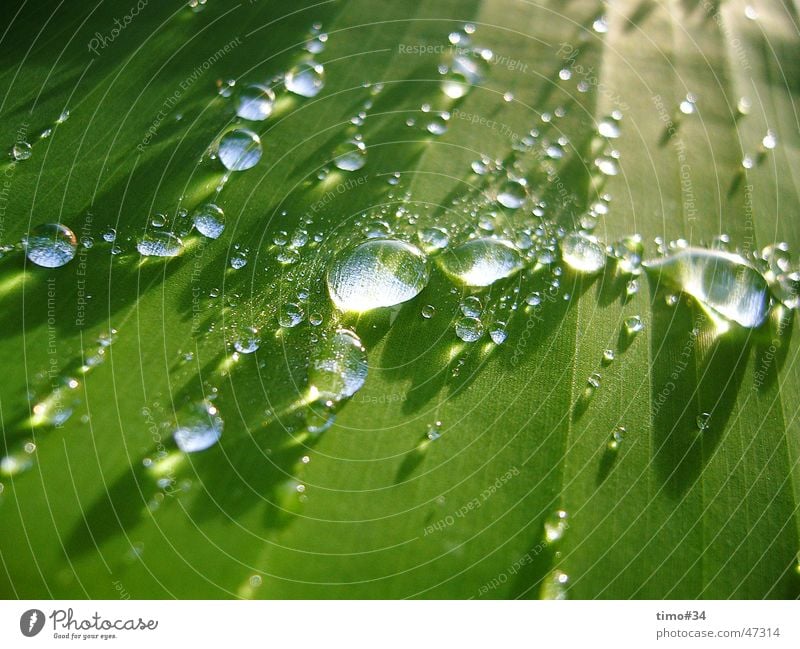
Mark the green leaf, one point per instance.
(388, 502)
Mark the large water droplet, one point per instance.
(255, 102)
(159, 244)
(305, 79)
(481, 262)
(209, 220)
(339, 368)
(377, 273)
(199, 427)
(721, 281)
(239, 149)
(50, 245)
(582, 253)
(512, 194)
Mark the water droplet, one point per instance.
(238, 260)
(350, 155)
(608, 356)
(290, 315)
(159, 244)
(469, 329)
(110, 235)
(721, 281)
(339, 368)
(628, 253)
(632, 288)
(209, 220)
(239, 149)
(247, 342)
(225, 87)
(199, 427)
(498, 332)
(306, 79)
(633, 325)
(617, 435)
(554, 586)
(471, 306)
(748, 162)
(508, 96)
(467, 68)
(320, 416)
(703, 420)
(434, 431)
(428, 311)
(582, 253)
(21, 151)
(608, 129)
(534, 299)
(50, 245)
(481, 262)
(437, 125)
(687, 106)
(433, 239)
(512, 194)
(600, 25)
(743, 105)
(255, 102)
(14, 464)
(555, 525)
(377, 273)
(770, 141)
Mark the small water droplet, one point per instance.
(632, 288)
(428, 311)
(434, 431)
(21, 151)
(609, 129)
(770, 141)
(50, 245)
(469, 329)
(339, 368)
(555, 525)
(159, 244)
(247, 342)
(433, 239)
(617, 435)
(290, 315)
(255, 102)
(239, 149)
(554, 586)
(633, 325)
(350, 155)
(498, 332)
(306, 79)
(471, 306)
(703, 421)
(209, 220)
(512, 194)
(199, 426)
(583, 253)
(238, 260)
(608, 356)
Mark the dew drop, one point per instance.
(554, 586)
(512, 194)
(469, 329)
(290, 315)
(703, 421)
(238, 260)
(428, 311)
(21, 151)
(498, 332)
(377, 273)
(608, 356)
(255, 102)
(50, 245)
(555, 525)
(481, 262)
(433, 239)
(159, 244)
(721, 281)
(199, 427)
(615, 440)
(306, 79)
(471, 306)
(239, 149)
(339, 368)
(633, 325)
(209, 220)
(628, 253)
(582, 253)
(350, 155)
